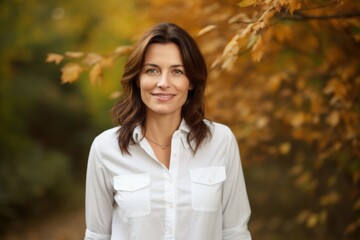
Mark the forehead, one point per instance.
(163, 53)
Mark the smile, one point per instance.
(162, 96)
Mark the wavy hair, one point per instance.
(130, 111)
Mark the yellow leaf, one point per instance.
(91, 59)
(246, 3)
(216, 63)
(258, 26)
(261, 122)
(96, 73)
(115, 95)
(70, 72)
(333, 118)
(239, 18)
(298, 119)
(257, 50)
(330, 199)
(330, 86)
(312, 221)
(232, 48)
(285, 148)
(54, 57)
(206, 29)
(229, 62)
(107, 62)
(74, 54)
(123, 50)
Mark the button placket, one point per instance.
(169, 205)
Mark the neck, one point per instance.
(161, 128)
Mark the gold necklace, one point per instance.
(163, 147)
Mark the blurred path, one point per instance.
(67, 226)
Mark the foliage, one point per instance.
(285, 74)
(45, 129)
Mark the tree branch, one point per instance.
(297, 16)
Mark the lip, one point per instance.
(163, 97)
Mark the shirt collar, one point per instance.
(137, 133)
(183, 131)
(184, 126)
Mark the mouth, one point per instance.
(163, 96)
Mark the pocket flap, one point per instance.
(131, 182)
(208, 175)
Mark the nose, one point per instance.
(164, 80)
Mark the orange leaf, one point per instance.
(54, 57)
(274, 82)
(74, 54)
(333, 118)
(353, 226)
(298, 119)
(206, 29)
(294, 5)
(70, 72)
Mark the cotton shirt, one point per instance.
(201, 196)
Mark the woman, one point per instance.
(165, 172)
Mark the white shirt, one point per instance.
(201, 196)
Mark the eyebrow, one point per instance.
(154, 65)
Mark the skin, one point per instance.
(164, 89)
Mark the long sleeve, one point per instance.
(99, 198)
(236, 207)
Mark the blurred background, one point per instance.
(284, 75)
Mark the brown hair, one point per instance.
(131, 111)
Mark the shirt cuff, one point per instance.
(89, 235)
(239, 233)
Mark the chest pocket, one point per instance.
(133, 194)
(206, 188)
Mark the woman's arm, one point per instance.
(236, 207)
(99, 198)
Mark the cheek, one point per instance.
(144, 84)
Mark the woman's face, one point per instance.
(163, 83)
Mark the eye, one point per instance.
(178, 72)
(151, 71)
